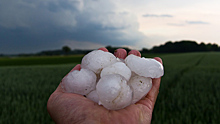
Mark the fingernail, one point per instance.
(158, 59)
(135, 52)
(103, 49)
(120, 53)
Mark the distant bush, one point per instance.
(183, 46)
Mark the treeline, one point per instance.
(67, 51)
(183, 46)
(175, 47)
(168, 47)
(64, 51)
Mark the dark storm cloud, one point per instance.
(30, 26)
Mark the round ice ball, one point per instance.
(114, 92)
(93, 96)
(144, 66)
(97, 60)
(140, 86)
(80, 82)
(117, 68)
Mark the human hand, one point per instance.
(69, 108)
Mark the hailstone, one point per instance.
(97, 60)
(117, 68)
(112, 82)
(93, 96)
(140, 86)
(79, 82)
(144, 66)
(114, 92)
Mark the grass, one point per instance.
(25, 91)
(189, 90)
(42, 60)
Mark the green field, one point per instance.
(40, 60)
(189, 93)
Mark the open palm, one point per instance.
(69, 108)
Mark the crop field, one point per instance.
(189, 93)
(40, 60)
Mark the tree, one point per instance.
(145, 50)
(66, 49)
(184, 46)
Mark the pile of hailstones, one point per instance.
(112, 82)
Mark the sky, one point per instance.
(29, 26)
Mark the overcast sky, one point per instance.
(32, 26)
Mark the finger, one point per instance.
(135, 52)
(103, 49)
(153, 93)
(157, 83)
(151, 97)
(120, 53)
(59, 88)
(158, 59)
(77, 67)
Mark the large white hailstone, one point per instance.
(80, 82)
(140, 86)
(144, 66)
(97, 60)
(114, 92)
(93, 96)
(117, 68)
